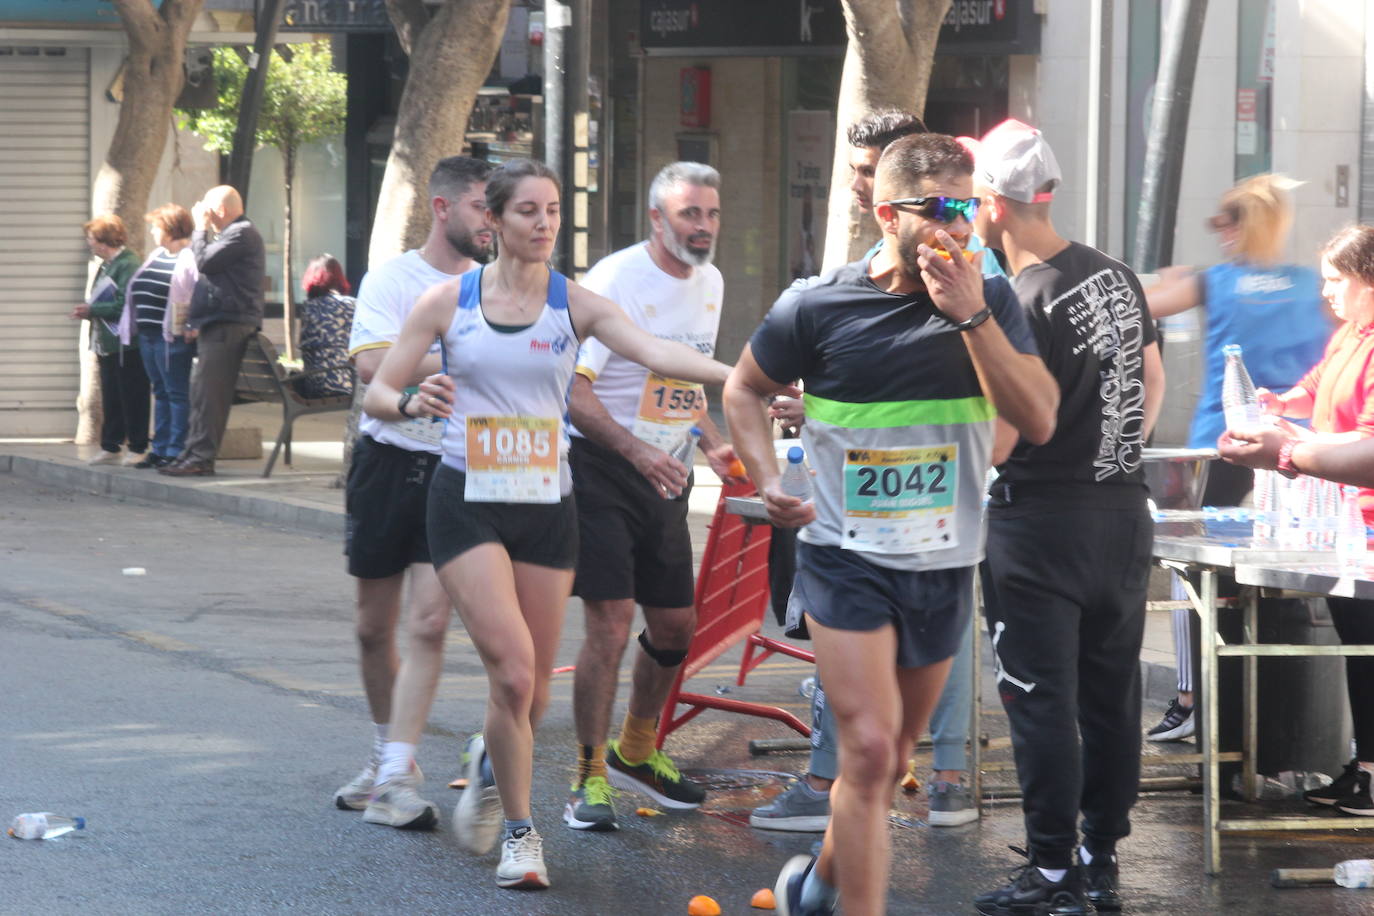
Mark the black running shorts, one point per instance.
(929, 608)
(635, 543)
(544, 534)
(384, 528)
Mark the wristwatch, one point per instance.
(401, 404)
(1285, 464)
(974, 320)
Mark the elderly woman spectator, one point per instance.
(1338, 396)
(123, 383)
(326, 319)
(159, 293)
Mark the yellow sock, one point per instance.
(591, 761)
(637, 739)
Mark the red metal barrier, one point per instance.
(731, 599)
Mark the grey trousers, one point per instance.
(220, 349)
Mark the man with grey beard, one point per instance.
(632, 495)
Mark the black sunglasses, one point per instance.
(942, 209)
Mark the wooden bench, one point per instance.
(262, 378)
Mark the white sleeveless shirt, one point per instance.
(511, 402)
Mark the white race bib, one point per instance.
(901, 500)
(512, 460)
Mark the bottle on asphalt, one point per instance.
(44, 825)
(1355, 873)
(1239, 402)
(796, 479)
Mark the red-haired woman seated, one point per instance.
(326, 319)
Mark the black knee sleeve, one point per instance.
(668, 658)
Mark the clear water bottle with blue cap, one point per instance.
(1239, 402)
(796, 479)
(44, 825)
(685, 452)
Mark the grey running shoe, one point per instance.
(354, 795)
(794, 810)
(522, 861)
(590, 808)
(477, 819)
(951, 805)
(656, 777)
(398, 804)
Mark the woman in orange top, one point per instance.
(1338, 394)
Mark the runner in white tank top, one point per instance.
(504, 397)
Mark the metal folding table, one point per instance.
(1209, 546)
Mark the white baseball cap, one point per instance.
(1015, 161)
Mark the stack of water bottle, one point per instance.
(1304, 513)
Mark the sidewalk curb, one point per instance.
(276, 510)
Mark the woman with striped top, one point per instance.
(158, 294)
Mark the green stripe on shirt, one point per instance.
(886, 414)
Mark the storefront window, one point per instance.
(1254, 87)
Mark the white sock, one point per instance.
(396, 760)
(379, 730)
(1054, 874)
(1084, 856)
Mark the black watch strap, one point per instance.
(404, 400)
(974, 320)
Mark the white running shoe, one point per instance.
(522, 861)
(103, 457)
(354, 795)
(477, 819)
(396, 803)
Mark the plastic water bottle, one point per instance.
(1265, 490)
(1238, 400)
(44, 825)
(685, 452)
(1351, 540)
(1355, 873)
(796, 479)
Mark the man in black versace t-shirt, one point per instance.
(1069, 538)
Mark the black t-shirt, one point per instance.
(1090, 320)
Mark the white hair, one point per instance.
(675, 173)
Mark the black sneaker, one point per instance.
(1338, 790)
(1101, 882)
(1358, 801)
(1178, 723)
(1030, 893)
(656, 777)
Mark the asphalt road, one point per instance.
(201, 715)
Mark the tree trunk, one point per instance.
(887, 65)
(288, 308)
(450, 57)
(153, 77)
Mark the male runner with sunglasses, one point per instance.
(907, 359)
(1069, 537)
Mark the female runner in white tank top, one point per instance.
(502, 525)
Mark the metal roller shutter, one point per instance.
(44, 199)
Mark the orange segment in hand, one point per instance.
(737, 469)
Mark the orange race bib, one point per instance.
(512, 460)
(667, 406)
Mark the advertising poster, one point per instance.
(810, 152)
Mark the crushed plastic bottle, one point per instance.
(44, 825)
(1354, 873)
(796, 479)
(685, 452)
(1288, 784)
(807, 688)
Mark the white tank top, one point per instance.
(525, 373)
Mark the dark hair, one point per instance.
(912, 158)
(1351, 251)
(172, 219)
(880, 128)
(107, 229)
(501, 185)
(455, 175)
(324, 275)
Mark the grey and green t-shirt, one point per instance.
(897, 428)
